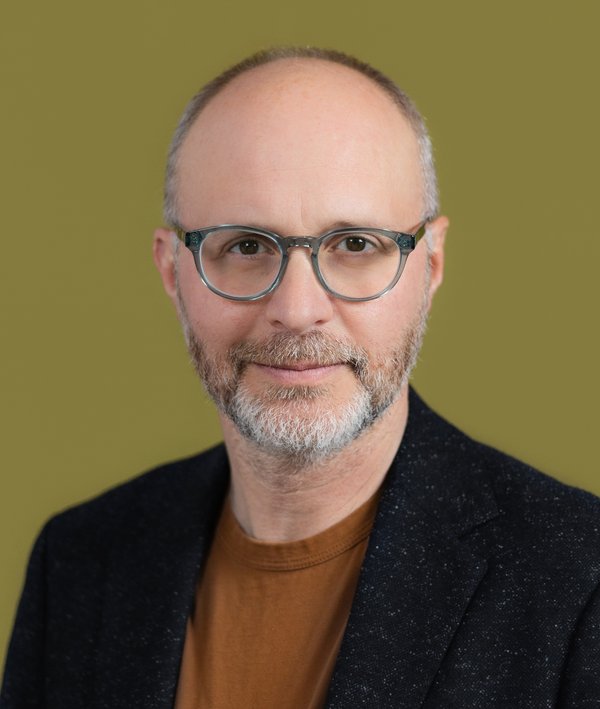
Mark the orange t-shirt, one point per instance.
(269, 618)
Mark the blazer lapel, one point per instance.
(418, 576)
(150, 590)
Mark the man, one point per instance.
(345, 547)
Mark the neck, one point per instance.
(279, 500)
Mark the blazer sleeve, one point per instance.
(580, 688)
(23, 685)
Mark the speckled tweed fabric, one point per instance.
(479, 588)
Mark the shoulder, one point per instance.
(554, 521)
(508, 505)
(157, 501)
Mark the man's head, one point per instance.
(297, 146)
(394, 92)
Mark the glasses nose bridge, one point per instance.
(306, 242)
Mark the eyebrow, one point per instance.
(345, 224)
(338, 224)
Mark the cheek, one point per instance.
(216, 321)
(216, 324)
(379, 326)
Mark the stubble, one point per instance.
(304, 424)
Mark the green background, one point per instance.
(95, 381)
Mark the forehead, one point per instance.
(305, 132)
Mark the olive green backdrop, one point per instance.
(95, 381)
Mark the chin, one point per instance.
(300, 422)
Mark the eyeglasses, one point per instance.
(246, 263)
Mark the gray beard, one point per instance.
(303, 424)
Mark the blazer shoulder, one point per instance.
(526, 510)
(158, 500)
(518, 485)
(544, 517)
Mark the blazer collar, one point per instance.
(419, 572)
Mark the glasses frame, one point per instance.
(405, 241)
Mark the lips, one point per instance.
(299, 366)
(297, 373)
(315, 352)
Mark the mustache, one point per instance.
(283, 348)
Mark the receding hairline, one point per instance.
(301, 55)
(283, 72)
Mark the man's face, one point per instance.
(298, 148)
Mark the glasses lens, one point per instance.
(359, 264)
(240, 262)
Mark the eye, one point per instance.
(240, 243)
(354, 243)
(248, 247)
(360, 243)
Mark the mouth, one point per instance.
(298, 372)
(298, 366)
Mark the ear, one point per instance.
(437, 230)
(163, 252)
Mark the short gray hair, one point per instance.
(210, 90)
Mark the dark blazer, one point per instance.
(479, 587)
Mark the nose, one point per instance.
(299, 303)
